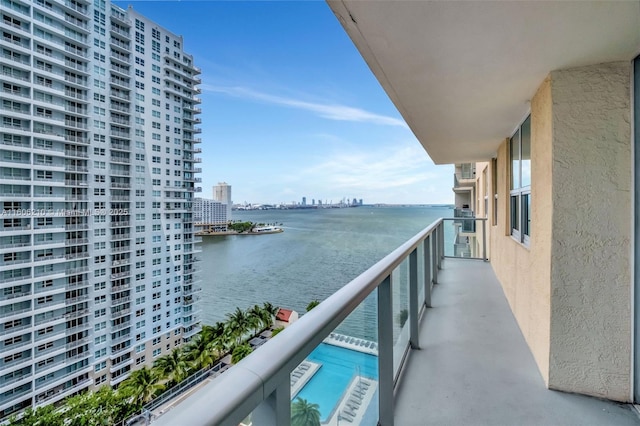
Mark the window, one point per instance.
(520, 182)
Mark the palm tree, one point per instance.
(143, 384)
(207, 332)
(218, 330)
(312, 304)
(172, 366)
(221, 339)
(304, 413)
(220, 346)
(271, 312)
(238, 324)
(256, 318)
(199, 352)
(240, 352)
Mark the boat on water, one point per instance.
(266, 229)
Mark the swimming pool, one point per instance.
(338, 367)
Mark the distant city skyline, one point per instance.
(290, 108)
(305, 201)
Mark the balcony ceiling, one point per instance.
(462, 73)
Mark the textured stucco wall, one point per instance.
(570, 289)
(525, 272)
(591, 248)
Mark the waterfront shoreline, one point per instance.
(225, 233)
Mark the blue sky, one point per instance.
(290, 108)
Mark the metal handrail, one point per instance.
(261, 381)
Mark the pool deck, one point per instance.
(358, 395)
(301, 375)
(354, 402)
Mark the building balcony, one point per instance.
(121, 326)
(120, 313)
(473, 365)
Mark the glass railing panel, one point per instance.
(464, 237)
(327, 375)
(338, 380)
(420, 259)
(400, 304)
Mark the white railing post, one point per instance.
(484, 240)
(414, 307)
(434, 254)
(427, 271)
(440, 244)
(385, 353)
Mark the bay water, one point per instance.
(319, 251)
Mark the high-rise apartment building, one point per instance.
(222, 193)
(98, 110)
(210, 212)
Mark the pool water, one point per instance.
(338, 367)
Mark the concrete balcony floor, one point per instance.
(474, 367)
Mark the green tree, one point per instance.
(240, 352)
(42, 416)
(104, 407)
(173, 366)
(221, 341)
(143, 385)
(312, 304)
(304, 413)
(256, 319)
(199, 352)
(238, 325)
(270, 312)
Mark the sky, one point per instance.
(290, 109)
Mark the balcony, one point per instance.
(474, 366)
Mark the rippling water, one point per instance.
(319, 252)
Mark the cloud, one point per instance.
(389, 167)
(329, 111)
(397, 172)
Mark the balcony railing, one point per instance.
(260, 385)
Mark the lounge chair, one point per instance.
(353, 407)
(346, 417)
(354, 401)
(364, 382)
(349, 412)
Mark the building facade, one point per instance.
(97, 177)
(222, 193)
(210, 212)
